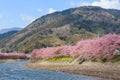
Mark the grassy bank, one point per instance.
(104, 70)
(54, 59)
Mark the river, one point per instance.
(16, 71)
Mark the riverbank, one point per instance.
(10, 60)
(7, 60)
(16, 71)
(103, 70)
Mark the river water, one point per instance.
(15, 71)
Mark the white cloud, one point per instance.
(51, 10)
(25, 17)
(39, 10)
(111, 4)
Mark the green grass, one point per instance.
(115, 60)
(70, 59)
(99, 60)
(103, 60)
(58, 59)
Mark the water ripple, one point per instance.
(15, 71)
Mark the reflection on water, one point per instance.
(15, 71)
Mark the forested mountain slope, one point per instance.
(65, 27)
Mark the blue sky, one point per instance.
(20, 13)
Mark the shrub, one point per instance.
(12, 56)
(60, 58)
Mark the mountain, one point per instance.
(2, 31)
(65, 27)
(7, 34)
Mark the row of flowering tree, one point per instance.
(12, 56)
(107, 47)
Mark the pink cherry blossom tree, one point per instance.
(103, 47)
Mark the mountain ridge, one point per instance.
(2, 31)
(64, 27)
(7, 34)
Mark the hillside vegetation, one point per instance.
(5, 35)
(101, 49)
(64, 28)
